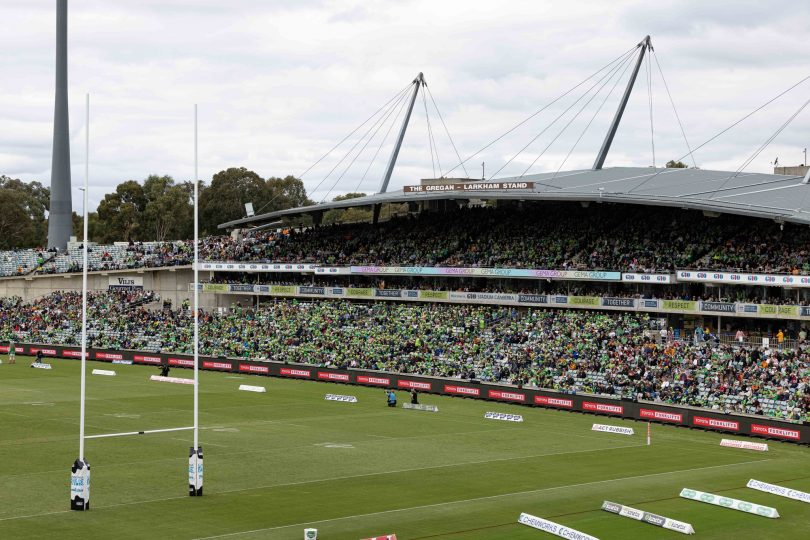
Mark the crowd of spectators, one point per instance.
(617, 354)
(563, 236)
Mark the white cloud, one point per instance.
(278, 83)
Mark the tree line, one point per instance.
(155, 209)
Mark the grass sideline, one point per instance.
(279, 462)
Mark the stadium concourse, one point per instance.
(565, 236)
(613, 354)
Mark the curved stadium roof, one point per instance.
(770, 196)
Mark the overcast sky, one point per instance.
(278, 83)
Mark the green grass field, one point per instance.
(276, 463)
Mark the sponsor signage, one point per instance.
(108, 356)
(415, 385)
(770, 280)
(388, 293)
(45, 352)
(123, 362)
(359, 292)
(331, 270)
(220, 266)
(72, 354)
(716, 423)
(40, 365)
(507, 396)
(215, 287)
(217, 365)
(378, 381)
(746, 445)
(433, 295)
(779, 490)
(175, 380)
(106, 372)
(483, 297)
(587, 275)
(547, 401)
(186, 362)
(125, 282)
(620, 430)
(462, 390)
(418, 407)
(252, 368)
(503, 416)
(662, 416)
(678, 305)
(772, 431)
(470, 186)
(533, 299)
(294, 372)
(312, 290)
(283, 289)
(143, 359)
(720, 307)
(619, 302)
(647, 517)
(605, 408)
(330, 376)
(553, 528)
(646, 278)
(728, 502)
(241, 287)
(338, 397)
(584, 300)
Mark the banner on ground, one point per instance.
(621, 430)
(646, 517)
(417, 407)
(779, 490)
(745, 445)
(338, 397)
(553, 528)
(728, 502)
(503, 416)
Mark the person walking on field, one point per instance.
(12, 352)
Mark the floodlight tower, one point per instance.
(60, 215)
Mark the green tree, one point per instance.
(348, 215)
(120, 213)
(672, 164)
(224, 200)
(23, 208)
(93, 227)
(168, 214)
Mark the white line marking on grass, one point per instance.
(475, 499)
(202, 443)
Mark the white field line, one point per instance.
(475, 499)
(334, 478)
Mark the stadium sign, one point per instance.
(553, 528)
(716, 423)
(220, 266)
(779, 490)
(728, 502)
(630, 277)
(647, 517)
(548, 401)
(771, 431)
(768, 280)
(605, 408)
(507, 396)
(415, 385)
(720, 307)
(470, 186)
(661, 416)
(125, 282)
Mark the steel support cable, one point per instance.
(439, 113)
(648, 70)
(546, 106)
(747, 116)
(430, 139)
(379, 123)
(396, 98)
(610, 73)
(580, 111)
(674, 109)
(595, 114)
(382, 142)
(348, 153)
(763, 146)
